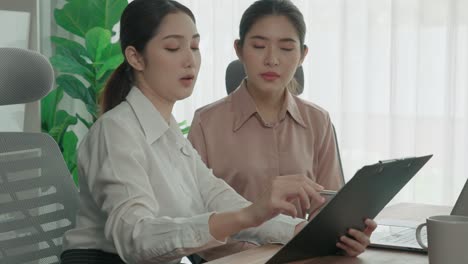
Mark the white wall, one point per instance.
(32, 110)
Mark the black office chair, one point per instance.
(235, 73)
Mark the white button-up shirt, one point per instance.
(146, 195)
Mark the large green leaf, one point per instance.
(81, 60)
(112, 50)
(112, 11)
(109, 65)
(114, 58)
(63, 121)
(184, 127)
(97, 40)
(98, 88)
(70, 141)
(60, 117)
(70, 65)
(72, 49)
(79, 16)
(84, 121)
(76, 89)
(48, 109)
(69, 47)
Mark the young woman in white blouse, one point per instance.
(145, 194)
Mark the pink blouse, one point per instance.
(247, 153)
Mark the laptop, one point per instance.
(399, 234)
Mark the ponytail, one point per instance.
(294, 87)
(117, 87)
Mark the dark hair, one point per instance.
(263, 8)
(139, 23)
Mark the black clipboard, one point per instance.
(364, 196)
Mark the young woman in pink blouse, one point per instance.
(262, 131)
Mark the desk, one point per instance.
(403, 211)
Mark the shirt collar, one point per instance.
(243, 106)
(151, 121)
(290, 104)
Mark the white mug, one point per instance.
(447, 237)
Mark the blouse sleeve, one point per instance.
(219, 196)
(112, 164)
(329, 172)
(197, 138)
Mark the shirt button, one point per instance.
(185, 151)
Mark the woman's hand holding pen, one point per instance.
(279, 198)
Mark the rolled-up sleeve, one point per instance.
(116, 173)
(219, 196)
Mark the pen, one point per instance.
(328, 192)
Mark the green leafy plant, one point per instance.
(83, 65)
(184, 127)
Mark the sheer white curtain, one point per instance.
(392, 73)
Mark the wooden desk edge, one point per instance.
(263, 253)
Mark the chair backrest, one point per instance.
(25, 76)
(343, 181)
(38, 198)
(235, 73)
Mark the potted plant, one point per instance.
(83, 65)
